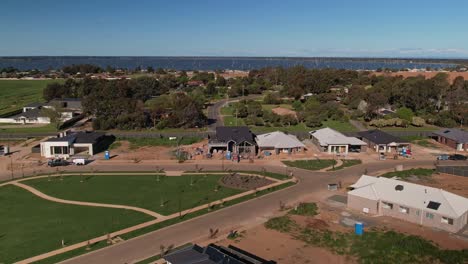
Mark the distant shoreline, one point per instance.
(227, 63)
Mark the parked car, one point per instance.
(57, 162)
(457, 157)
(443, 157)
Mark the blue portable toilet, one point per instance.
(228, 155)
(106, 155)
(359, 228)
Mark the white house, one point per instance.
(71, 144)
(332, 141)
(279, 142)
(411, 202)
(33, 114)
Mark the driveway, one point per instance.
(311, 186)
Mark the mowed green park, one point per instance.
(17, 93)
(31, 226)
(161, 194)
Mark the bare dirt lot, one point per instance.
(282, 248)
(427, 75)
(451, 183)
(283, 111)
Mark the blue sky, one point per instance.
(396, 28)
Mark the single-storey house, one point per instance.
(67, 145)
(238, 140)
(411, 202)
(279, 142)
(453, 137)
(383, 142)
(213, 254)
(33, 114)
(332, 141)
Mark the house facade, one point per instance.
(410, 202)
(383, 142)
(67, 145)
(332, 141)
(279, 142)
(33, 113)
(238, 140)
(453, 137)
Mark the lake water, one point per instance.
(212, 63)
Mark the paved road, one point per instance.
(247, 213)
(214, 111)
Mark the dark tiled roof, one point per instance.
(380, 137)
(86, 137)
(237, 134)
(213, 254)
(189, 255)
(458, 135)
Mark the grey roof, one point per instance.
(458, 135)
(33, 113)
(279, 139)
(35, 104)
(380, 137)
(327, 136)
(410, 194)
(236, 134)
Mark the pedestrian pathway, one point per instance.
(159, 218)
(339, 162)
(58, 200)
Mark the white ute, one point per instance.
(79, 161)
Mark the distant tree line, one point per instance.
(120, 103)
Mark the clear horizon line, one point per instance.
(249, 56)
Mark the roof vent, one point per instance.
(399, 188)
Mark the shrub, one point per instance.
(418, 121)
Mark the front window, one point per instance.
(59, 150)
(447, 220)
(404, 210)
(387, 205)
(430, 215)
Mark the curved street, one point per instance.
(311, 186)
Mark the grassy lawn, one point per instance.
(421, 141)
(31, 226)
(301, 127)
(420, 172)
(227, 110)
(139, 232)
(347, 163)
(310, 164)
(231, 121)
(305, 209)
(143, 191)
(48, 128)
(149, 142)
(18, 93)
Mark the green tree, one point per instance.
(405, 114)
